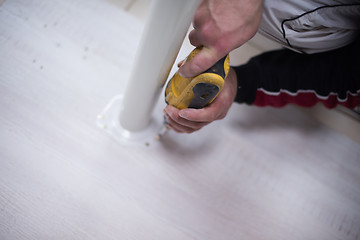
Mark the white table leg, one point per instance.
(163, 35)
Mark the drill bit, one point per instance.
(163, 130)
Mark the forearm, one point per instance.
(220, 27)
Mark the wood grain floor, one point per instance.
(261, 173)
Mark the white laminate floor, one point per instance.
(261, 173)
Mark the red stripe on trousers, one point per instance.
(303, 99)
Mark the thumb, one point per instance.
(201, 62)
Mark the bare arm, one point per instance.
(220, 27)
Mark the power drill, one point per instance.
(196, 92)
(199, 91)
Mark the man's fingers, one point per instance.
(195, 38)
(207, 114)
(172, 114)
(181, 128)
(201, 62)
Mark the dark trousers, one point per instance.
(281, 77)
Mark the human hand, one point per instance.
(189, 120)
(220, 27)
